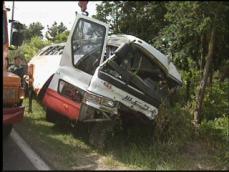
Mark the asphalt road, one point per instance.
(14, 158)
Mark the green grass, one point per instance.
(57, 144)
(133, 149)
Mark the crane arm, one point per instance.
(83, 5)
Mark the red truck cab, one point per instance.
(13, 93)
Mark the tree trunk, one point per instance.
(188, 86)
(188, 89)
(203, 83)
(202, 53)
(211, 76)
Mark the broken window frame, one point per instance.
(133, 80)
(83, 62)
(52, 50)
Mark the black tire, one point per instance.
(82, 130)
(7, 130)
(99, 133)
(50, 115)
(43, 89)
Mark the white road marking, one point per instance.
(31, 155)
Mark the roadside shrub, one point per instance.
(173, 125)
(216, 130)
(62, 37)
(215, 134)
(32, 47)
(187, 92)
(13, 53)
(29, 48)
(216, 103)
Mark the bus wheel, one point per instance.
(99, 133)
(7, 130)
(50, 115)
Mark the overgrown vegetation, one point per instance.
(29, 48)
(184, 31)
(172, 143)
(193, 34)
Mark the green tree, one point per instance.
(108, 13)
(217, 30)
(61, 37)
(143, 19)
(34, 29)
(194, 34)
(190, 38)
(55, 30)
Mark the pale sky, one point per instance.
(46, 12)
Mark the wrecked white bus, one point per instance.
(99, 76)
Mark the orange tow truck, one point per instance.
(13, 93)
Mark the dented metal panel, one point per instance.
(46, 62)
(154, 54)
(142, 93)
(100, 87)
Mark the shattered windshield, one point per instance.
(87, 45)
(138, 65)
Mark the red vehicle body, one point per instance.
(13, 93)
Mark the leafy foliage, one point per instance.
(29, 48)
(216, 102)
(140, 18)
(179, 29)
(33, 30)
(55, 30)
(61, 37)
(187, 34)
(173, 125)
(215, 133)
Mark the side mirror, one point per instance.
(17, 38)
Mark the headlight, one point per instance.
(92, 98)
(21, 93)
(107, 102)
(70, 91)
(99, 100)
(10, 95)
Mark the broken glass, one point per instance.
(138, 70)
(87, 45)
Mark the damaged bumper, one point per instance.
(113, 107)
(13, 115)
